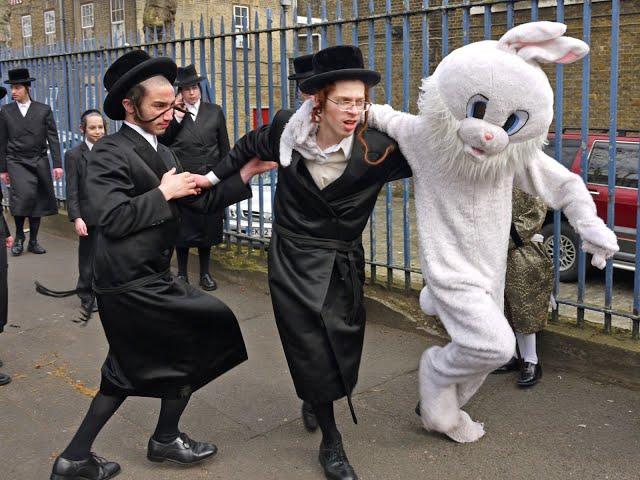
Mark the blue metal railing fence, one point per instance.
(246, 68)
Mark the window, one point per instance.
(626, 164)
(303, 47)
(570, 147)
(50, 30)
(118, 36)
(87, 23)
(241, 24)
(26, 36)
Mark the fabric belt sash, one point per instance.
(132, 285)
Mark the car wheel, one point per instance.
(569, 245)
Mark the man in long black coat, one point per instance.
(199, 139)
(92, 126)
(7, 240)
(166, 338)
(331, 170)
(26, 128)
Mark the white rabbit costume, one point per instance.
(484, 116)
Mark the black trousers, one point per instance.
(86, 254)
(4, 297)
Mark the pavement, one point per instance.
(566, 427)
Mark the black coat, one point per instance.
(4, 297)
(166, 338)
(23, 153)
(316, 259)
(75, 169)
(199, 146)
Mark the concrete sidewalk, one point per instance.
(566, 427)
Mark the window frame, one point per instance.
(239, 39)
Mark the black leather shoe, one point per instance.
(511, 366)
(207, 283)
(182, 450)
(35, 247)
(530, 374)
(309, 417)
(335, 463)
(184, 278)
(93, 468)
(18, 247)
(4, 379)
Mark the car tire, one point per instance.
(569, 248)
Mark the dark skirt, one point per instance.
(31, 192)
(166, 339)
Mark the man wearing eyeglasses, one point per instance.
(332, 169)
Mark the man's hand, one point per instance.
(255, 166)
(81, 227)
(177, 185)
(202, 182)
(57, 173)
(5, 178)
(178, 115)
(9, 241)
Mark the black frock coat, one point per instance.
(199, 146)
(4, 291)
(75, 169)
(166, 338)
(316, 258)
(23, 153)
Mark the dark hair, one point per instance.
(136, 94)
(198, 84)
(321, 96)
(88, 113)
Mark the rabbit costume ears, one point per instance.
(543, 42)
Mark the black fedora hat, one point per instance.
(3, 92)
(19, 76)
(303, 67)
(343, 62)
(129, 70)
(188, 76)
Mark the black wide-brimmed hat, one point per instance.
(303, 67)
(19, 76)
(188, 76)
(3, 92)
(332, 64)
(129, 70)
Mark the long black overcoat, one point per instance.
(23, 153)
(316, 258)
(166, 338)
(199, 146)
(4, 292)
(75, 169)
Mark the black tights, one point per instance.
(204, 255)
(327, 422)
(34, 226)
(102, 409)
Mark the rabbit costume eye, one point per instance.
(515, 122)
(477, 106)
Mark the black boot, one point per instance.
(18, 247)
(309, 417)
(207, 283)
(92, 468)
(511, 366)
(530, 374)
(335, 462)
(184, 278)
(35, 247)
(182, 450)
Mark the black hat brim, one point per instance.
(189, 81)
(300, 76)
(20, 81)
(3, 92)
(164, 66)
(314, 83)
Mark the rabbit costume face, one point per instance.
(484, 116)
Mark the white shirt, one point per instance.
(89, 144)
(194, 109)
(331, 163)
(149, 137)
(24, 107)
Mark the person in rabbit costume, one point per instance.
(484, 116)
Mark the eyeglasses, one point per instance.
(346, 105)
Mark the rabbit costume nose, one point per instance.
(488, 136)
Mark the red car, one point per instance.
(626, 195)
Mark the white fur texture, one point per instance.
(463, 206)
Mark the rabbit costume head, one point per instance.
(492, 102)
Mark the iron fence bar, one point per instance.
(466, 23)
(610, 311)
(534, 10)
(354, 16)
(272, 173)
(341, 22)
(372, 217)
(406, 55)
(425, 38)
(258, 125)
(487, 22)
(445, 29)
(389, 100)
(611, 171)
